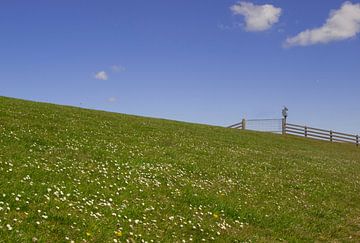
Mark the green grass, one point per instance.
(70, 174)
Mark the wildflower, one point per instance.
(216, 216)
(88, 233)
(118, 233)
(9, 227)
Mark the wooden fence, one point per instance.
(240, 125)
(308, 132)
(322, 134)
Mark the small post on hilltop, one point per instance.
(331, 135)
(306, 131)
(357, 140)
(285, 115)
(283, 126)
(243, 124)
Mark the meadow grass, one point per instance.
(76, 175)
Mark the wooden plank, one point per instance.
(291, 132)
(317, 136)
(293, 125)
(309, 128)
(309, 131)
(318, 129)
(345, 134)
(328, 134)
(309, 135)
(296, 129)
(232, 126)
(343, 141)
(318, 133)
(341, 137)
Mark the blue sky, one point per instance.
(210, 61)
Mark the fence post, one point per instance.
(331, 135)
(306, 131)
(243, 124)
(283, 126)
(357, 140)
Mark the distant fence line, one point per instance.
(281, 126)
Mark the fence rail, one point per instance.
(240, 125)
(298, 130)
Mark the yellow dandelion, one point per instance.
(88, 233)
(215, 216)
(118, 233)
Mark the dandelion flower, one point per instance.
(9, 227)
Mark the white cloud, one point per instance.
(257, 17)
(118, 68)
(102, 75)
(342, 24)
(112, 99)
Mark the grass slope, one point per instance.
(70, 174)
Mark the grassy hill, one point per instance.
(70, 174)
